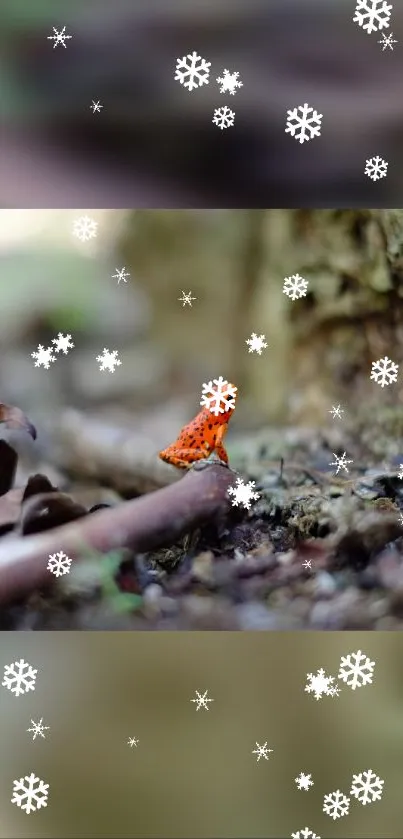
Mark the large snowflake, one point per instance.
(336, 804)
(218, 396)
(320, 685)
(223, 117)
(367, 787)
(356, 670)
(192, 70)
(384, 371)
(30, 793)
(109, 360)
(85, 228)
(59, 564)
(372, 15)
(229, 82)
(305, 833)
(295, 287)
(376, 168)
(243, 493)
(304, 125)
(19, 677)
(43, 358)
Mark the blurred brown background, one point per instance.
(154, 144)
(193, 772)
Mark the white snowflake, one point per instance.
(31, 795)
(319, 685)
(367, 787)
(304, 781)
(336, 411)
(192, 70)
(59, 564)
(334, 690)
(243, 493)
(256, 343)
(96, 107)
(372, 15)
(356, 670)
(109, 360)
(305, 833)
(85, 228)
(307, 564)
(387, 41)
(376, 168)
(262, 751)
(38, 729)
(218, 396)
(295, 286)
(43, 357)
(121, 274)
(340, 462)
(132, 742)
(201, 701)
(63, 343)
(336, 804)
(59, 37)
(401, 519)
(400, 473)
(223, 117)
(384, 371)
(229, 82)
(186, 299)
(19, 677)
(304, 121)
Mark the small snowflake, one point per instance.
(38, 729)
(367, 787)
(201, 701)
(305, 833)
(307, 564)
(121, 274)
(19, 677)
(376, 168)
(192, 70)
(304, 781)
(336, 411)
(334, 690)
(96, 107)
(384, 371)
(59, 564)
(63, 343)
(256, 343)
(319, 685)
(109, 360)
(32, 795)
(356, 670)
(262, 751)
(229, 82)
(186, 299)
(59, 37)
(387, 41)
(85, 228)
(243, 493)
(43, 357)
(304, 121)
(400, 472)
(372, 15)
(295, 287)
(340, 462)
(132, 742)
(223, 117)
(336, 805)
(401, 519)
(218, 396)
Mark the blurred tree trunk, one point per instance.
(320, 347)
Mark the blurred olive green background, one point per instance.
(320, 348)
(193, 772)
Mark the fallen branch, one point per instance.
(153, 521)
